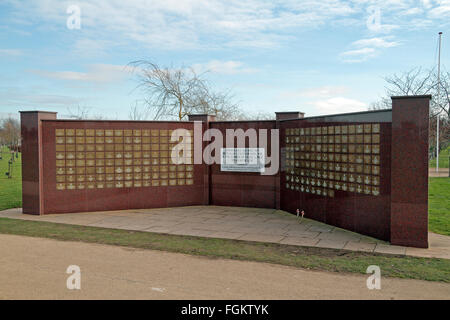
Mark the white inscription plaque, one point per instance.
(242, 159)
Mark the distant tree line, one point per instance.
(10, 133)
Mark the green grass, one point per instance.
(10, 189)
(443, 159)
(295, 256)
(439, 205)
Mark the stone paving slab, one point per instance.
(135, 227)
(261, 237)
(250, 224)
(390, 249)
(322, 229)
(299, 241)
(360, 246)
(333, 236)
(439, 245)
(302, 234)
(158, 229)
(191, 232)
(226, 235)
(333, 244)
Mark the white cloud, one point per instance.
(11, 52)
(338, 105)
(193, 24)
(187, 24)
(358, 55)
(223, 67)
(29, 98)
(366, 49)
(442, 10)
(412, 11)
(375, 42)
(97, 73)
(426, 3)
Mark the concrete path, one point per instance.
(36, 269)
(443, 172)
(251, 224)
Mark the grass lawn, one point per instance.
(10, 189)
(443, 159)
(439, 205)
(295, 256)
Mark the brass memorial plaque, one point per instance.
(321, 160)
(100, 159)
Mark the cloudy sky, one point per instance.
(319, 57)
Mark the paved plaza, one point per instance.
(250, 224)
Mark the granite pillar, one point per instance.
(32, 181)
(409, 173)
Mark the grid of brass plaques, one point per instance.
(98, 159)
(321, 160)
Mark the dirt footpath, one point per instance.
(34, 268)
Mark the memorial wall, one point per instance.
(245, 189)
(366, 172)
(339, 172)
(110, 165)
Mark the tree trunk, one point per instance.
(180, 113)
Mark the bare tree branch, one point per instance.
(138, 112)
(172, 93)
(419, 82)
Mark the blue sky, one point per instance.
(319, 57)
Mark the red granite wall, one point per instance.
(84, 193)
(342, 176)
(366, 172)
(32, 181)
(245, 189)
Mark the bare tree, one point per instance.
(412, 82)
(420, 82)
(249, 116)
(10, 131)
(220, 104)
(443, 103)
(178, 92)
(383, 103)
(78, 112)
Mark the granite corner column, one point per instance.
(31, 140)
(409, 171)
(205, 119)
(281, 116)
